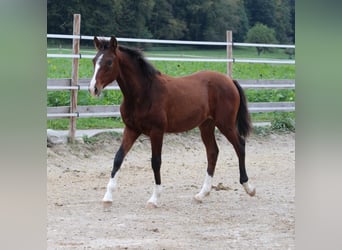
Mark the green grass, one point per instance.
(86, 123)
(61, 68)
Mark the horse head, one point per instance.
(105, 63)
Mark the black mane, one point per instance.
(136, 55)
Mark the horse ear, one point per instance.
(113, 43)
(97, 43)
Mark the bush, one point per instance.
(260, 33)
(283, 122)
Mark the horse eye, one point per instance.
(109, 63)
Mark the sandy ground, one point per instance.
(228, 218)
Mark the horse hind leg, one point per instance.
(238, 143)
(242, 168)
(208, 137)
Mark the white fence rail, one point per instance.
(179, 42)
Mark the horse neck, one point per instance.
(131, 80)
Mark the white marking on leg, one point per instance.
(249, 188)
(108, 197)
(93, 79)
(206, 188)
(153, 201)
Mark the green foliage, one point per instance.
(172, 19)
(270, 95)
(89, 140)
(260, 33)
(280, 122)
(133, 18)
(164, 25)
(283, 121)
(55, 99)
(261, 11)
(108, 97)
(262, 130)
(211, 19)
(283, 27)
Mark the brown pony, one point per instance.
(155, 103)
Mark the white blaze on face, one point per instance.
(93, 80)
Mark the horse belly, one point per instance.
(183, 118)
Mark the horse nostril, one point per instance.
(96, 90)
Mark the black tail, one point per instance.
(243, 118)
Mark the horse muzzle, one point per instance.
(95, 91)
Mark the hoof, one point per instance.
(107, 204)
(108, 197)
(252, 193)
(151, 205)
(249, 189)
(198, 198)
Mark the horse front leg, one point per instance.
(156, 145)
(129, 137)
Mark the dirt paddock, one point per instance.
(228, 218)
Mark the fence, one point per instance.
(74, 84)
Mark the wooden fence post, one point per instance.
(74, 78)
(229, 35)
